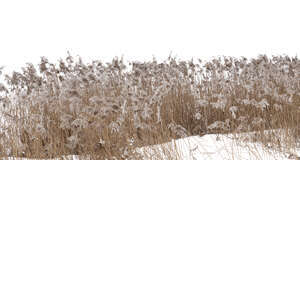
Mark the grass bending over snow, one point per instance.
(222, 146)
(108, 111)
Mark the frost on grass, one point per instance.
(71, 105)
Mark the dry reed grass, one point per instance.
(107, 111)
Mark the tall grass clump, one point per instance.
(107, 110)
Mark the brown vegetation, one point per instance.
(106, 111)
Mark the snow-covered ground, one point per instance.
(213, 147)
(217, 147)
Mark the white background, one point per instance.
(148, 230)
(141, 29)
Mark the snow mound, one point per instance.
(216, 147)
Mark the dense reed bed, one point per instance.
(107, 110)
